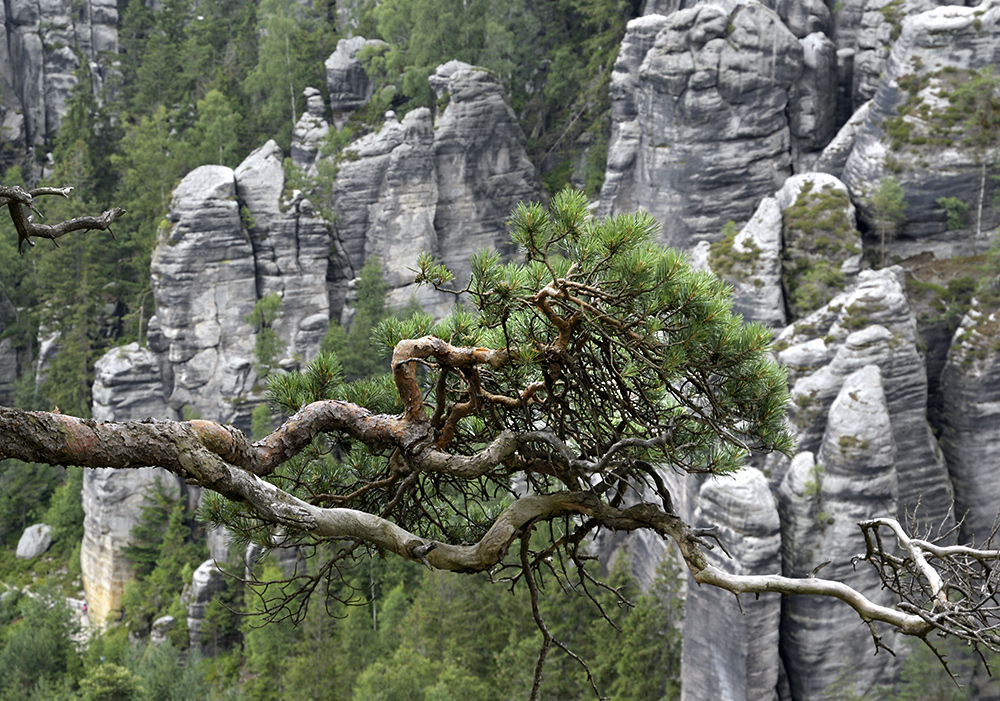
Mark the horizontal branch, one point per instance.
(15, 197)
(221, 459)
(869, 611)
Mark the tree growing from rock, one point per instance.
(506, 435)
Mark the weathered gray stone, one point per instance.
(623, 146)
(309, 132)
(812, 101)
(834, 156)
(730, 653)
(346, 79)
(206, 582)
(161, 626)
(447, 190)
(204, 283)
(821, 245)
(127, 386)
(870, 324)
(39, 45)
(821, 501)
(753, 266)
(931, 57)
(34, 541)
(712, 130)
(880, 25)
(291, 249)
(386, 203)
(971, 431)
(483, 170)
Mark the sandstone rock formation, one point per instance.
(910, 131)
(39, 42)
(751, 262)
(971, 388)
(349, 84)
(206, 582)
(870, 324)
(127, 386)
(731, 647)
(711, 132)
(445, 188)
(821, 500)
(821, 245)
(205, 283)
(309, 132)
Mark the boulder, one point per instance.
(161, 627)
(35, 540)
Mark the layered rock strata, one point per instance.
(821, 501)
(349, 84)
(127, 386)
(917, 132)
(731, 646)
(971, 389)
(445, 188)
(40, 45)
(711, 130)
(870, 324)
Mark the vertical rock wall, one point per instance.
(731, 647)
(127, 386)
(41, 45)
(826, 651)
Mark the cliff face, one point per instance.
(710, 135)
(39, 48)
(445, 187)
(127, 386)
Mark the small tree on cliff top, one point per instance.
(548, 407)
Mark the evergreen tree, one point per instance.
(353, 346)
(214, 136)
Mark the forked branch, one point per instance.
(15, 199)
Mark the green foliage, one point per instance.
(577, 41)
(352, 346)
(163, 553)
(267, 343)
(295, 39)
(955, 209)
(25, 490)
(651, 640)
(725, 259)
(65, 511)
(111, 682)
(888, 207)
(38, 647)
(214, 136)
